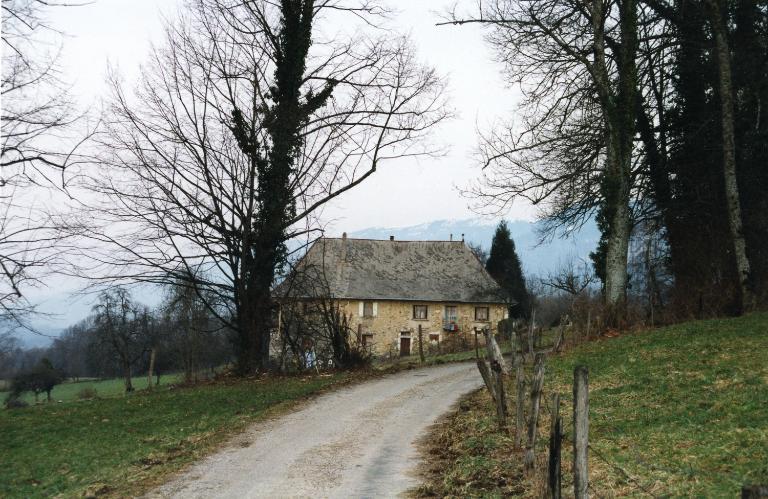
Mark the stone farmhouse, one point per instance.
(390, 290)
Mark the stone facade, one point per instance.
(383, 325)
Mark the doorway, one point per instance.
(405, 346)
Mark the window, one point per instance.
(451, 313)
(368, 309)
(420, 312)
(481, 313)
(451, 318)
(366, 340)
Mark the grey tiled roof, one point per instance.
(368, 269)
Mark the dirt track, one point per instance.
(354, 442)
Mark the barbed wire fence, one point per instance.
(494, 369)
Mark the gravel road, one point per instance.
(358, 441)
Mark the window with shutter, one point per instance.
(367, 309)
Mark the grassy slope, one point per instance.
(680, 411)
(120, 444)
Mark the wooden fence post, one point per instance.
(501, 403)
(530, 333)
(494, 351)
(580, 432)
(485, 372)
(533, 422)
(555, 439)
(421, 347)
(589, 322)
(518, 360)
(477, 351)
(754, 492)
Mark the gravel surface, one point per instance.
(358, 441)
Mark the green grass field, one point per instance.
(680, 411)
(119, 445)
(106, 388)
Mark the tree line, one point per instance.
(122, 338)
(646, 115)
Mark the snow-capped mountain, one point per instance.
(536, 258)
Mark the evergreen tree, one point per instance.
(504, 266)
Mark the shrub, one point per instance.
(87, 393)
(41, 379)
(14, 403)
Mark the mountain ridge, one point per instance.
(537, 257)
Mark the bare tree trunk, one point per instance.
(618, 240)
(617, 105)
(152, 355)
(616, 259)
(732, 201)
(127, 376)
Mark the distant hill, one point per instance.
(536, 259)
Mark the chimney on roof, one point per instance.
(391, 238)
(343, 235)
(451, 237)
(462, 238)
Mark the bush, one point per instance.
(87, 393)
(14, 403)
(40, 379)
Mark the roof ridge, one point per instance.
(393, 240)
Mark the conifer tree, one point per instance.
(504, 266)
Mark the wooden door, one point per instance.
(405, 346)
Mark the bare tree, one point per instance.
(576, 63)
(190, 329)
(480, 253)
(732, 202)
(39, 141)
(243, 126)
(572, 277)
(313, 319)
(123, 328)
(9, 347)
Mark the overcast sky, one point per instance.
(119, 33)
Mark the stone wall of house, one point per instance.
(392, 320)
